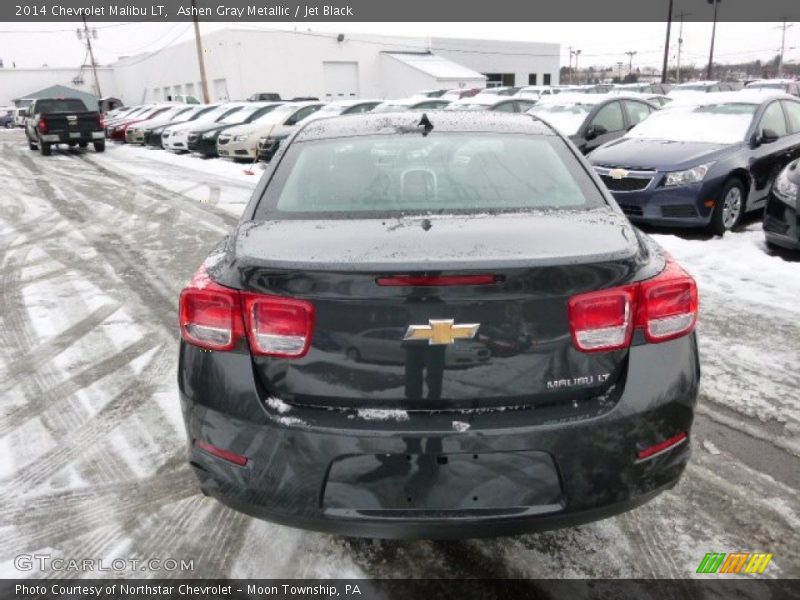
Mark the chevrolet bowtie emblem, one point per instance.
(618, 173)
(441, 331)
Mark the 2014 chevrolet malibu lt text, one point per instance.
(526, 357)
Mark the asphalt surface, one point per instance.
(95, 250)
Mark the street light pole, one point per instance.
(713, 35)
(577, 72)
(631, 54)
(784, 27)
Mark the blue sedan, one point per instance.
(703, 162)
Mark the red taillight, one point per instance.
(601, 321)
(278, 326)
(232, 457)
(215, 318)
(42, 125)
(668, 306)
(660, 447)
(664, 307)
(437, 280)
(210, 315)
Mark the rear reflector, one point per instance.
(231, 457)
(660, 447)
(438, 280)
(664, 307)
(216, 318)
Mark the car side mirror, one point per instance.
(768, 136)
(595, 130)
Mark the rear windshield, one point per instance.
(412, 174)
(63, 105)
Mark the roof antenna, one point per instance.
(426, 125)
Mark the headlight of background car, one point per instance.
(240, 138)
(784, 188)
(210, 135)
(693, 175)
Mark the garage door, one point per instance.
(340, 79)
(220, 89)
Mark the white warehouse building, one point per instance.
(241, 61)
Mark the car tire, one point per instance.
(32, 145)
(44, 149)
(729, 210)
(99, 146)
(353, 354)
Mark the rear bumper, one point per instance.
(306, 466)
(72, 137)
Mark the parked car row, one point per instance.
(695, 159)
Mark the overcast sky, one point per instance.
(55, 44)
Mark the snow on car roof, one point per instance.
(743, 96)
(407, 122)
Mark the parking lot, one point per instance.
(96, 248)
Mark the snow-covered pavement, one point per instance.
(95, 249)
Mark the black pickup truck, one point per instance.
(63, 121)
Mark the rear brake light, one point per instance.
(278, 326)
(664, 307)
(232, 457)
(668, 306)
(602, 320)
(438, 280)
(42, 125)
(210, 315)
(215, 318)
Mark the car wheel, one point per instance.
(353, 354)
(32, 145)
(99, 146)
(44, 149)
(729, 209)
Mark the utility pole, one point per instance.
(713, 34)
(619, 68)
(569, 69)
(88, 36)
(631, 54)
(577, 53)
(666, 44)
(784, 27)
(680, 47)
(200, 61)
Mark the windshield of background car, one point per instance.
(567, 118)
(766, 86)
(440, 173)
(716, 123)
(241, 115)
(391, 107)
(64, 105)
(277, 114)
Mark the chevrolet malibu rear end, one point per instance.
(436, 328)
